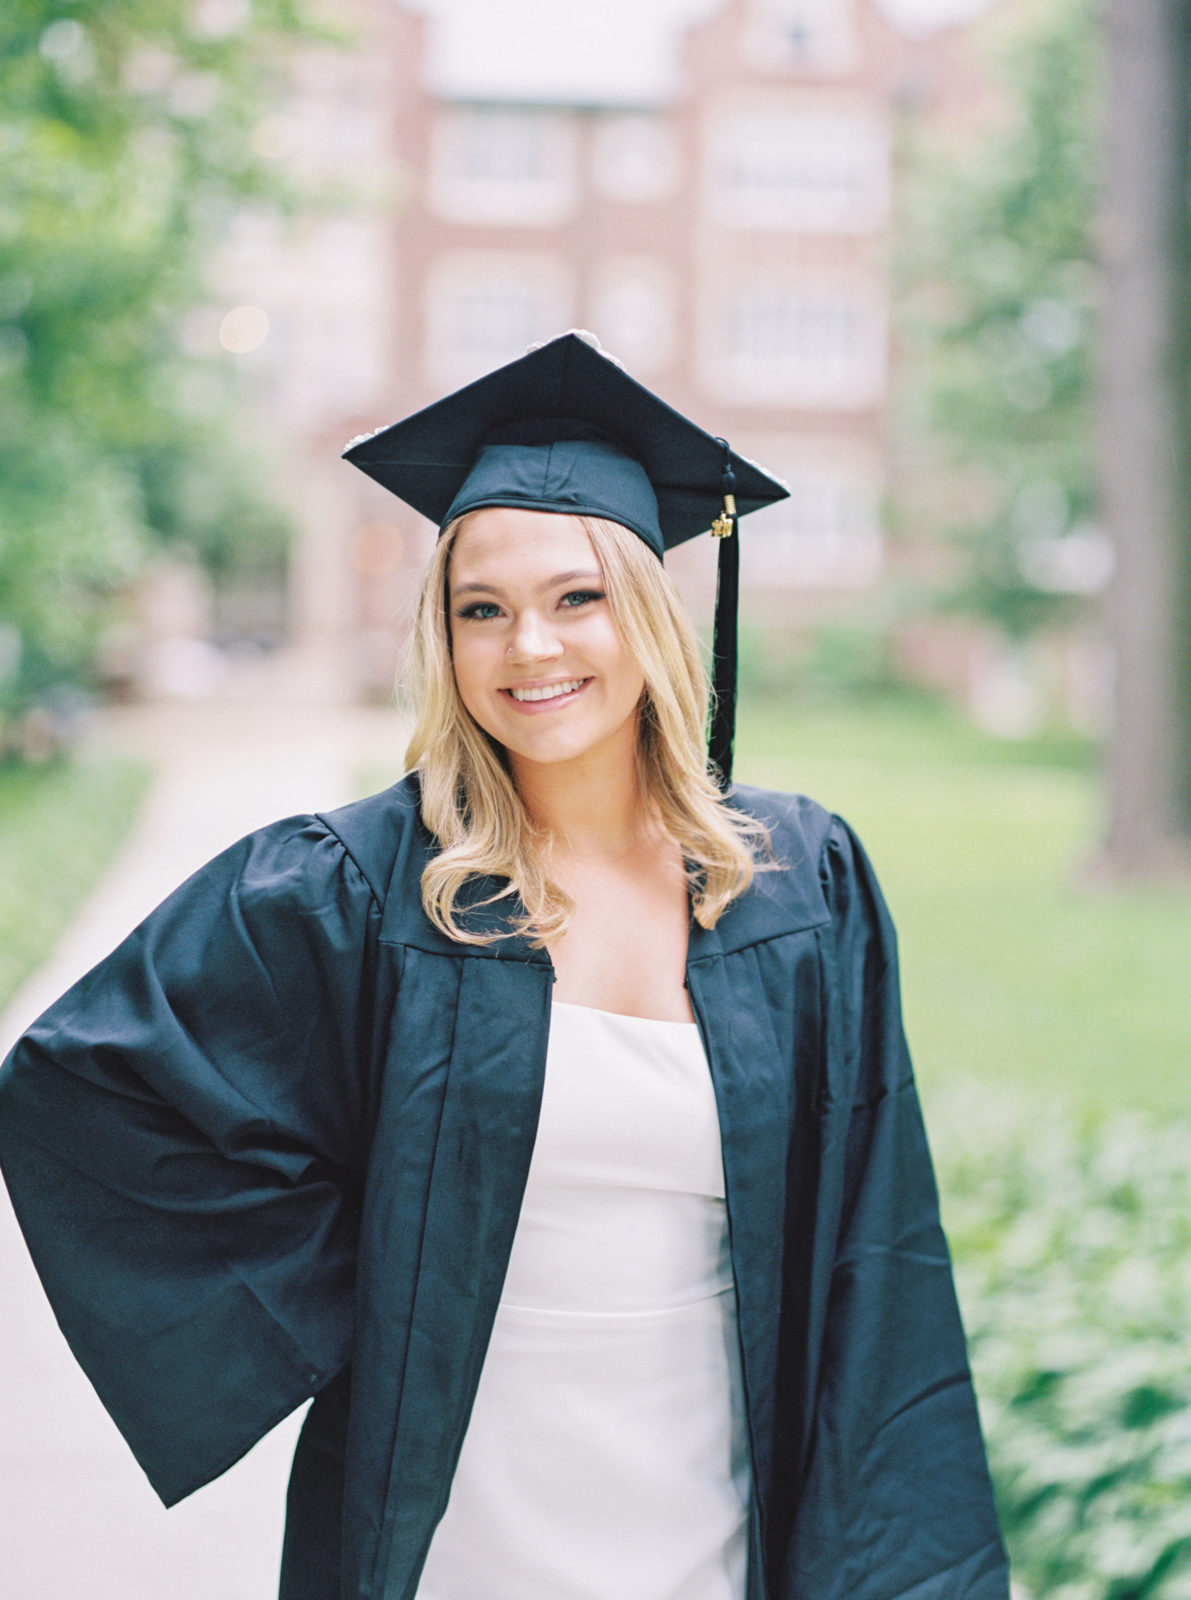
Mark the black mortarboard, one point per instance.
(565, 428)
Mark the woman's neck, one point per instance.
(588, 808)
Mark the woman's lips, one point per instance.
(536, 698)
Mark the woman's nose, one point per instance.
(533, 639)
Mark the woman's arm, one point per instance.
(179, 1134)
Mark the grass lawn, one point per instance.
(1014, 973)
(60, 825)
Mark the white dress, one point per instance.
(606, 1456)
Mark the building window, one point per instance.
(485, 310)
(502, 147)
(828, 533)
(805, 169)
(495, 167)
(323, 348)
(635, 159)
(801, 344)
(806, 35)
(633, 306)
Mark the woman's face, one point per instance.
(539, 661)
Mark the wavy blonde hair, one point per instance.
(470, 802)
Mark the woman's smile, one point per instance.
(546, 696)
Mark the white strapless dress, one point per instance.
(606, 1456)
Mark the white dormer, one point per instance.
(817, 36)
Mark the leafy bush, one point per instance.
(1073, 1255)
(997, 316)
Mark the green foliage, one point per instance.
(998, 300)
(60, 824)
(1073, 1252)
(125, 139)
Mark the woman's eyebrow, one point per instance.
(473, 588)
(559, 578)
(579, 574)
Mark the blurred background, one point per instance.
(926, 260)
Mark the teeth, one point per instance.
(551, 692)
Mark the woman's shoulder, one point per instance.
(818, 855)
(383, 835)
(787, 892)
(798, 826)
(349, 855)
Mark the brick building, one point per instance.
(706, 184)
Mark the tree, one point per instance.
(1049, 273)
(125, 139)
(998, 301)
(1144, 432)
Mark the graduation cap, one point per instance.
(566, 429)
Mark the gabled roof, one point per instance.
(591, 52)
(558, 52)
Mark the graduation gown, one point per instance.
(275, 1146)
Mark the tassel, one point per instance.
(722, 731)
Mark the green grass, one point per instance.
(1015, 973)
(60, 825)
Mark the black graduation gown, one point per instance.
(275, 1146)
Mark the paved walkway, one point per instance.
(77, 1519)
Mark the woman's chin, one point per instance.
(559, 747)
(548, 752)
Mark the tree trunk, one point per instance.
(1144, 420)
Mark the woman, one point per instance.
(548, 1117)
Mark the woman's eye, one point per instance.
(479, 611)
(581, 597)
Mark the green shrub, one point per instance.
(1073, 1256)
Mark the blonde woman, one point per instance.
(547, 1118)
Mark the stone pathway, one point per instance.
(78, 1521)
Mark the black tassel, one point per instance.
(722, 731)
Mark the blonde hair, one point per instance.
(469, 800)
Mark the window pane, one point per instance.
(484, 309)
(635, 159)
(816, 170)
(806, 344)
(492, 166)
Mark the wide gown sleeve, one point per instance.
(178, 1135)
(898, 1500)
